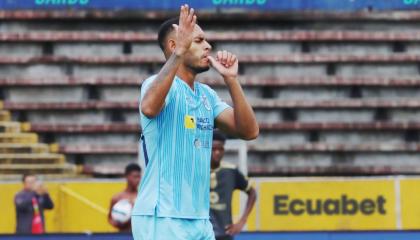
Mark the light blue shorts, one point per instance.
(163, 228)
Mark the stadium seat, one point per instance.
(37, 168)
(256, 103)
(247, 81)
(23, 148)
(4, 115)
(321, 90)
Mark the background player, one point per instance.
(133, 176)
(224, 179)
(178, 115)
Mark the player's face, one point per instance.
(196, 57)
(30, 183)
(217, 152)
(133, 178)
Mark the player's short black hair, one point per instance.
(131, 168)
(218, 136)
(25, 175)
(164, 30)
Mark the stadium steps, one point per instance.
(298, 38)
(24, 148)
(131, 36)
(85, 128)
(18, 138)
(4, 115)
(255, 103)
(37, 168)
(346, 126)
(20, 152)
(334, 147)
(372, 170)
(45, 177)
(283, 81)
(102, 149)
(31, 158)
(337, 103)
(294, 58)
(10, 127)
(255, 148)
(281, 126)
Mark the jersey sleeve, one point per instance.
(241, 182)
(146, 86)
(218, 105)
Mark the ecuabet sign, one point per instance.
(334, 204)
(327, 204)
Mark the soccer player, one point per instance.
(177, 116)
(132, 175)
(225, 178)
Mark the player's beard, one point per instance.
(197, 68)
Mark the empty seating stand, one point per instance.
(330, 99)
(21, 153)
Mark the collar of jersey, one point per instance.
(216, 169)
(194, 93)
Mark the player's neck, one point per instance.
(130, 189)
(187, 76)
(214, 166)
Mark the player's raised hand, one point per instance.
(225, 63)
(184, 31)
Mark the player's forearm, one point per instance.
(245, 121)
(113, 223)
(154, 100)
(252, 197)
(118, 225)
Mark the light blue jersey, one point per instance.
(176, 146)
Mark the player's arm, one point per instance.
(154, 99)
(252, 197)
(44, 198)
(239, 121)
(236, 228)
(116, 224)
(243, 184)
(112, 222)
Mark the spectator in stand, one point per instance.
(30, 205)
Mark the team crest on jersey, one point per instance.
(189, 100)
(189, 122)
(205, 102)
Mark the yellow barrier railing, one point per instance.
(84, 200)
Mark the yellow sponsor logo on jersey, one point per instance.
(189, 122)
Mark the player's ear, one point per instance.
(171, 39)
(171, 45)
